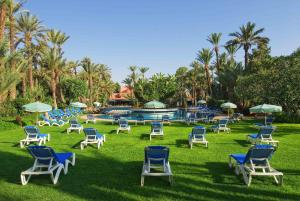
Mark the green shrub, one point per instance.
(287, 118)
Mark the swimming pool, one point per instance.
(148, 114)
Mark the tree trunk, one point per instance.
(28, 48)
(91, 88)
(3, 11)
(23, 86)
(12, 33)
(53, 88)
(208, 78)
(246, 57)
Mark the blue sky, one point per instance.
(162, 34)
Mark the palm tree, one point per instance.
(143, 70)
(53, 61)
(231, 50)
(133, 74)
(205, 56)
(30, 27)
(56, 38)
(91, 70)
(3, 16)
(214, 39)
(247, 37)
(13, 8)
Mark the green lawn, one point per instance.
(113, 171)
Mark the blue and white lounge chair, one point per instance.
(198, 136)
(74, 126)
(209, 118)
(268, 122)
(123, 126)
(47, 161)
(156, 129)
(33, 135)
(140, 119)
(115, 118)
(90, 118)
(166, 119)
(255, 163)
(156, 158)
(221, 126)
(50, 122)
(263, 136)
(191, 119)
(92, 136)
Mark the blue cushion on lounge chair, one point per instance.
(240, 158)
(254, 135)
(62, 157)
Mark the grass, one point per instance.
(113, 172)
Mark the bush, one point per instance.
(287, 118)
(74, 88)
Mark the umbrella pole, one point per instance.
(265, 119)
(228, 113)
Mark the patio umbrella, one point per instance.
(78, 105)
(201, 102)
(228, 106)
(37, 107)
(265, 108)
(97, 104)
(154, 105)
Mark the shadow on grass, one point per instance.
(182, 143)
(243, 143)
(145, 136)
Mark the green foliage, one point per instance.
(74, 88)
(117, 87)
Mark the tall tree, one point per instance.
(143, 70)
(247, 37)
(13, 8)
(205, 56)
(53, 61)
(91, 70)
(214, 39)
(56, 38)
(231, 51)
(3, 16)
(30, 27)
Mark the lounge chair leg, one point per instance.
(142, 180)
(25, 180)
(170, 180)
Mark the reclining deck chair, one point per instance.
(123, 126)
(156, 158)
(166, 119)
(90, 118)
(255, 163)
(156, 129)
(47, 161)
(263, 136)
(198, 136)
(92, 136)
(74, 126)
(221, 126)
(140, 119)
(33, 135)
(191, 119)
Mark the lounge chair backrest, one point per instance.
(199, 130)
(156, 126)
(223, 122)
(156, 154)
(31, 131)
(192, 116)
(269, 120)
(123, 122)
(266, 132)
(74, 122)
(259, 154)
(90, 133)
(43, 154)
(165, 117)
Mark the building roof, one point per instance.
(124, 94)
